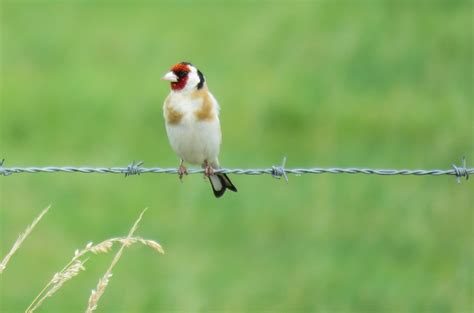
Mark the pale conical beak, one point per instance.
(170, 76)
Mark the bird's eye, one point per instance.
(181, 74)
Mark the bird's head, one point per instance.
(184, 77)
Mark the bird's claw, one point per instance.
(208, 171)
(182, 170)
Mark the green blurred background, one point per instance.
(346, 83)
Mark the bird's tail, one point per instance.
(220, 182)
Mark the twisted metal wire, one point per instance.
(135, 168)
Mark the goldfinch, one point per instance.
(192, 123)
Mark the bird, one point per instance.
(192, 124)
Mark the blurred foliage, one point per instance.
(346, 83)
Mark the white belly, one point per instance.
(195, 141)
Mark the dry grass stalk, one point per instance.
(60, 278)
(104, 281)
(76, 264)
(21, 238)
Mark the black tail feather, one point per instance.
(226, 184)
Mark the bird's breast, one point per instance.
(197, 106)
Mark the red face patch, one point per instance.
(181, 70)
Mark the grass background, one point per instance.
(346, 83)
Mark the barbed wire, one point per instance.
(135, 168)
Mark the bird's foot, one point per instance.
(208, 170)
(182, 170)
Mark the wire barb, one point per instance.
(134, 168)
(279, 171)
(461, 171)
(4, 171)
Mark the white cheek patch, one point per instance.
(193, 79)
